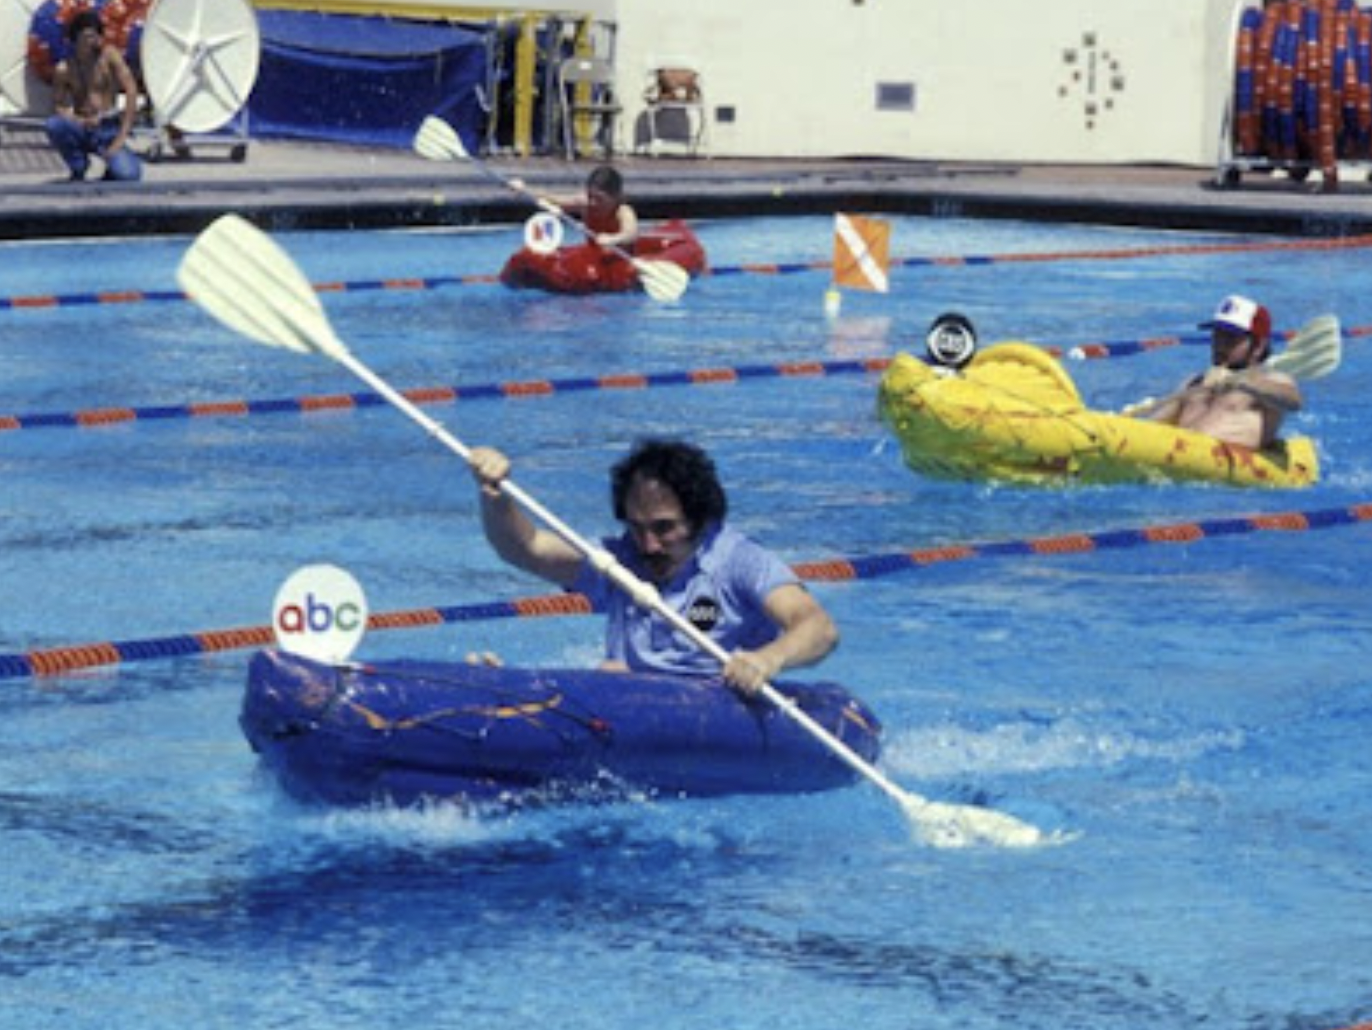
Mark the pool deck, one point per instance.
(299, 184)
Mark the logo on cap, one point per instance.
(1241, 315)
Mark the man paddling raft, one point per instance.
(1236, 400)
(668, 496)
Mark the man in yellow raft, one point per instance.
(1012, 413)
(1236, 400)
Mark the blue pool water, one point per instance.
(1198, 713)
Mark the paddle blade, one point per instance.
(1314, 352)
(438, 141)
(662, 280)
(959, 826)
(237, 274)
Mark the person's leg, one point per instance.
(69, 140)
(123, 165)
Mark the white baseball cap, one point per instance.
(1241, 315)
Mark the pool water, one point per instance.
(1198, 713)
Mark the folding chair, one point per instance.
(590, 109)
(675, 110)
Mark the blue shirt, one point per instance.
(722, 591)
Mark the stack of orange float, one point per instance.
(1303, 88)
(48, 44)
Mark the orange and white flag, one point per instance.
(862, 252)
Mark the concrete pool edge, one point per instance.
(286, 185)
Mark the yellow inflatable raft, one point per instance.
(1014, 414)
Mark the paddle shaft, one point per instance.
(441, 434)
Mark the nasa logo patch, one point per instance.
(703, 614)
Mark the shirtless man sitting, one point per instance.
(1236, 400)
(86, 89)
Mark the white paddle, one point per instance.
(438, 141)
(1313, 353)
(247, 282)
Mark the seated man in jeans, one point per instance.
(86, 89)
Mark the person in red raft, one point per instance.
(610, 221)
(604, 263)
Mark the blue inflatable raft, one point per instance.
(409, 732)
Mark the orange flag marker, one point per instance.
(862, 252)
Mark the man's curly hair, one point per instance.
(684, 467)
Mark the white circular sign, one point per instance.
(200, 60)
(320, 612)
(19, 83)
(543, 233)
(951, 341)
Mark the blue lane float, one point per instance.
(409, 732)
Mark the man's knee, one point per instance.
(58, 129)
(124, 167)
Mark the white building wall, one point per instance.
(1092, 81)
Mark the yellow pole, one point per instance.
(526, 91)
(581, 46)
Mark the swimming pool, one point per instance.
(1198, 712)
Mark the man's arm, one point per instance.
(1167, 409)
(128, 85)
(808, 635)
(628, 229)
(513, 534)
(1275, 390)
(63, 92)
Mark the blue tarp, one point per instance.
(367, 80)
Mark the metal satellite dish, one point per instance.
(200, 60)
(19, 83)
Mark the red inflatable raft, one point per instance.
(588, 268)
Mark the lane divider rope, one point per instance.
(442, 394)
(519, 390)
(38, 302)
(59, 660)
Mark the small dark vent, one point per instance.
(895, 96)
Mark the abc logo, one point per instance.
(320, 612)
(318, 616)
